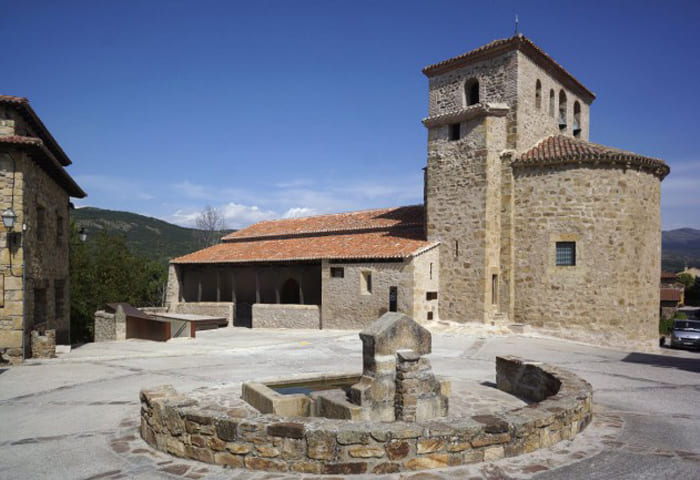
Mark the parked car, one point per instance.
(685, 333)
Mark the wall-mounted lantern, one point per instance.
(8, 218)
(82, 234)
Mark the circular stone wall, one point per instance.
(243, 438)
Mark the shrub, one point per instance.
(665, 325)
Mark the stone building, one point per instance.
(524, 220)
(35, 188)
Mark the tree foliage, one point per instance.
(104, 271)
(686, 279)
(210, 225)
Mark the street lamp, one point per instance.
(82, 234)
(8, 218)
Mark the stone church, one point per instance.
(524, 221)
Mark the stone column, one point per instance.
(257, 287)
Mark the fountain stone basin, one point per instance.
(397, 381)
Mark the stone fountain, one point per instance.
(394, 416)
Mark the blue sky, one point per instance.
(280, 108)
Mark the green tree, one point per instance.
(105, 271)
(686, 279)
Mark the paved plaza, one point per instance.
(76, 416)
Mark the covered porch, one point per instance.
(245, 288)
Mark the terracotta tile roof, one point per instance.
(668, 276)
(671, 295)
(12, 99)
(519, 42)
(560, 149)
(391, 233)
(385, 218)
(46, 160)
(22, 105)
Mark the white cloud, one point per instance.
(297, 212)
(239, 216)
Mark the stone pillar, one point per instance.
(419, 395)
(233, 287)
(257, 287)
(44, 346)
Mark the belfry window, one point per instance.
(566, 254)
(562, 110)
(538, 95)
(577, 119)
(471, 92)
(551, 103)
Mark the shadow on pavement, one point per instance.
(681, 363)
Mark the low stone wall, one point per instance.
(244, 438)
(44, 346)
(270, 315)
(110, 326)
(209, 309)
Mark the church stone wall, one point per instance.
(613, 215)
(447, 92)
(347, 305)
(534, 123)
(426, 275)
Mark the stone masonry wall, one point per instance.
(534, 123)
(457, 191)
(43, 250)
(447, 93)
(240, 437)
(613, 215)
(266, 315)
(426, 278)
(346, 306)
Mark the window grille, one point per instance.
(566, 254)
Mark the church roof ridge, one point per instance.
(519, 42)
(377, 219)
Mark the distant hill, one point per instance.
(679, 247)
(145, 236)
(161, 241)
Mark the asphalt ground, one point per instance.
(76, 416)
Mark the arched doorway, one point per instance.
(290, 292)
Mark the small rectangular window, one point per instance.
(454, 132)
(366, 283)
(431, 295)
(430, 315)
(431, 270)
(337, 272)
(566, 254)
(494, 289)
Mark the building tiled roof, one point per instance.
(392, 233)
(386, 218)
(46, 160)
(26, 110)
(671, 295)
(561, 149)
(519, 42)
(668, 276)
